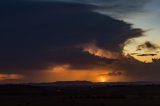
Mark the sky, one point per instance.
(88, 40)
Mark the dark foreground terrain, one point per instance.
(80, 95)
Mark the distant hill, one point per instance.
(64, 83)
(87, 83)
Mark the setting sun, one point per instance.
(102, 79)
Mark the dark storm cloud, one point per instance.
(114, 5)
(77, 58)
(138, 71)
(37, 35)
(116, 8)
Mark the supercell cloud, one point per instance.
(37, 35)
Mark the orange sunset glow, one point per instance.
(10, 77)
(64, 73)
